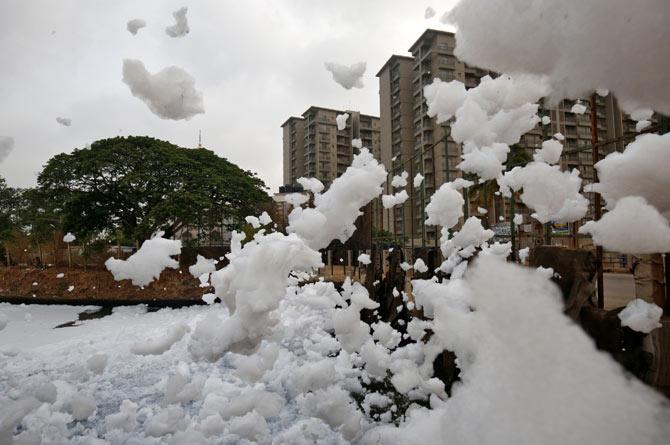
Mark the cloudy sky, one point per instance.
(256, 62)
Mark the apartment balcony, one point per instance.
(471, 82)
(448, 62)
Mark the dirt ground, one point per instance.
(21, 284)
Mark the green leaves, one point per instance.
(9, 202)
(134, 186)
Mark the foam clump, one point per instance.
(202, 266)
(160, 345)
(418, 180)
(169, 93)
(364, 258)
(640, 170)
(550, 152)
(551, 193)
(486, 162)
(641, 316)
(180, 27)
(64, 121)
(296, 199)
(336, 210)
(496, 305)
(633, 226)
(6, 146)
(389, 201)
(135, 25)
(347, 76)
(251, 286)
(420, 266)
(97, 363)
(400, 180)
(311, 184)
(499, 110)
(573, 62)
(341, 120)
(446, 205)
(148, 262)
(578, 108)
(125, 419)
(444, 98)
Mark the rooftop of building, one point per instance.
(425, 34)
(315, 107)
(391, 59)
(290, 119)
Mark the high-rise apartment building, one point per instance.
(314, 147)
(294, 149)
(396, 100)
(611, 123)
(412, 141)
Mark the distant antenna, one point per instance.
(199, 139)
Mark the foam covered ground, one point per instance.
(211, 402)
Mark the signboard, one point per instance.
(560, 228)
(502, 229)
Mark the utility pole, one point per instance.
(597, 205)
(423, 200)
(466, 205)
(663, 129)
(547, 225)
(512, 225)
(411, 206)
(446, 155)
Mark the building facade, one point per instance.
(293, 141)
(412, 141)
(314, 147)
(396, 101)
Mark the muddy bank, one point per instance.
(93, 286)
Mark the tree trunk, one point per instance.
(658, 280)
(55, 240)
(39, 251)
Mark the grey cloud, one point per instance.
(255, 65)
(180, 28)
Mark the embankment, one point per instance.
(95, 286)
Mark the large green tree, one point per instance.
(9, 204)
(132, 186)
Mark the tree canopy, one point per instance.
(9, 202)
(132, 186)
